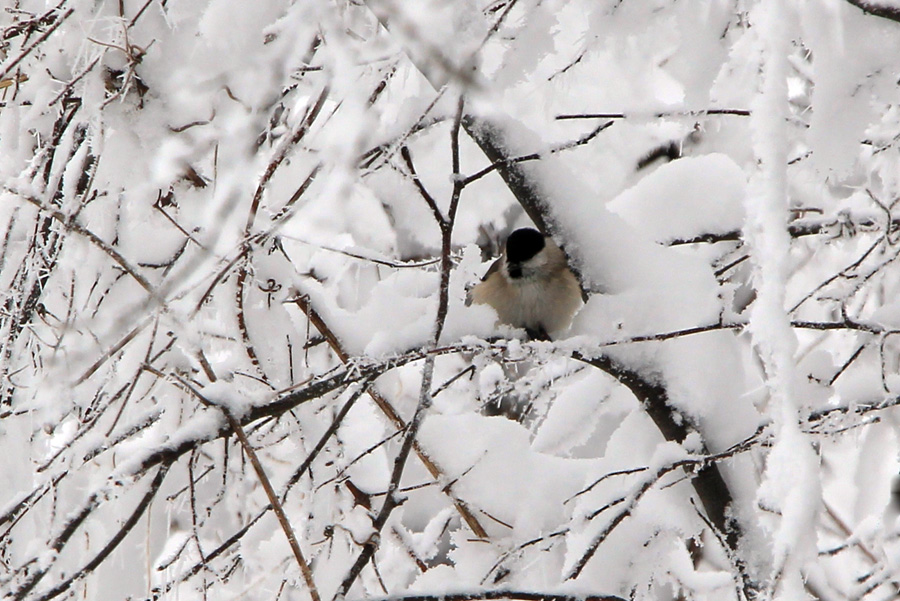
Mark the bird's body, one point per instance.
(530, 285)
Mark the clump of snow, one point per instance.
(573, 416)
(686, 198)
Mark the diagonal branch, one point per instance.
(392, 499)
(276, 505)
(652, 393)
(891, 13)
(235, 425)
(537, 155)
(73, 226)
(385, 406)
(59, 21)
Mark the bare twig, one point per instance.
(110, 546)
(73, 226)
(40, 39)
(276, 505)
(392, 500)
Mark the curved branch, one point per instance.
(649, 388)
(496, 595)
(891, 13)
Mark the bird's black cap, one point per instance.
(523, 244)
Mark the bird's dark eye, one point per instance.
(514, 270)
(523, 244)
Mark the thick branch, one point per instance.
(498, 594)
(650, 389)
(796, 230)
(878, 10)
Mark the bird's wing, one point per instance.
(495, 267)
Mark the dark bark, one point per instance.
(650, 389)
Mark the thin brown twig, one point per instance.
(73, 226)
(392, 499)
(658, 115)
(31, 25)
(277, 507)
(283, 215)
(693, 464)
(537, 155)
(423, 191)
(385, 406)
(11, 64)
(329, 432)
(281, 154)
(113, 543)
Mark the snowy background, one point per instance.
(235, 356)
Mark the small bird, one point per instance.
(530, 286)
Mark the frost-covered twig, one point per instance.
(497, 595)
(71, 527)
(797, 229)
(40, 39)
(711, 488)
(281, 154)
(696, 465)
(329, 432)
(391, 500)
(111, 545)
(73, 226)
(845, 272)
(274, 502)
(237, 428)
(388, 409)
(844, 324)
(258, 238)
(29, 26)
(658, 115)
(537, 155)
